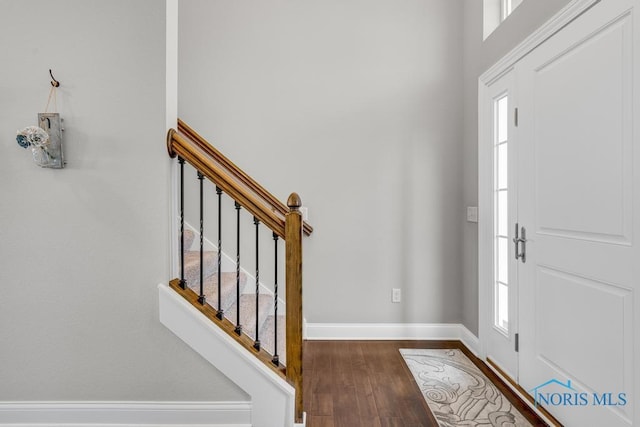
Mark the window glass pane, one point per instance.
(503, 211)
(502, 306)
(506, 9)
(502, 165)
(503, 259)
(502, 119)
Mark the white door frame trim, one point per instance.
(560, 20)
(569, 13)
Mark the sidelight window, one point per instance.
(501, 215)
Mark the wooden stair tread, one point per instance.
(248, 312)
(192, 266)
(228, 289)
(189, 237)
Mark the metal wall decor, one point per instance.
(52, 157)
(45, 140)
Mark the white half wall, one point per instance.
(272, 398)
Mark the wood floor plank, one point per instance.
(318, 421)
(393, 422)
(345, 407)
(322, 404)
(367, 408)
(323, 378)
(371, 422)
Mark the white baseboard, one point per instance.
(470, 340)
(104, 414)
(392, 331)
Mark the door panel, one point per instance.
(567, 327)
(581, 99)
(576, 200)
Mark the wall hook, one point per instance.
(54, 82)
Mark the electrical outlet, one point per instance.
(396, 296)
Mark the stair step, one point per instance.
(228, 289)
(192, 266)
(189, 236)
(267, 337)
(248, 312)
(228, 300)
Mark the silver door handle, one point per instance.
(517, 241)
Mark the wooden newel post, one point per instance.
(293, 277)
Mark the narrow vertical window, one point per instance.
(501, 214)
(505, 9)
(495, 12)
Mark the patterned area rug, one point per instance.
(457, 392)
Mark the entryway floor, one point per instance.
(367, 384)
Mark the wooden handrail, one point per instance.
(179, 146)
(236, 172)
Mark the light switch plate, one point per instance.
(472, 214)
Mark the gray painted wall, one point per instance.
(82, 249)
(478, 57)
(355, 105)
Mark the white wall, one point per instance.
(478, 56)
(356, 106)
(82, 249)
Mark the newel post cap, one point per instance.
(294, 202)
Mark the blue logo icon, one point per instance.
(557, 393)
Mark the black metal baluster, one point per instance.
(220, 312)
(201, 298)
(276, 359)
(238, 329)
(256, 221)
(183, 283)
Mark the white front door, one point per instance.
(502, 294)
(579, 201)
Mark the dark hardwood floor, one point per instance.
(367, 384)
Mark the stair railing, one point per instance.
(238, 174)
(285, 221)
